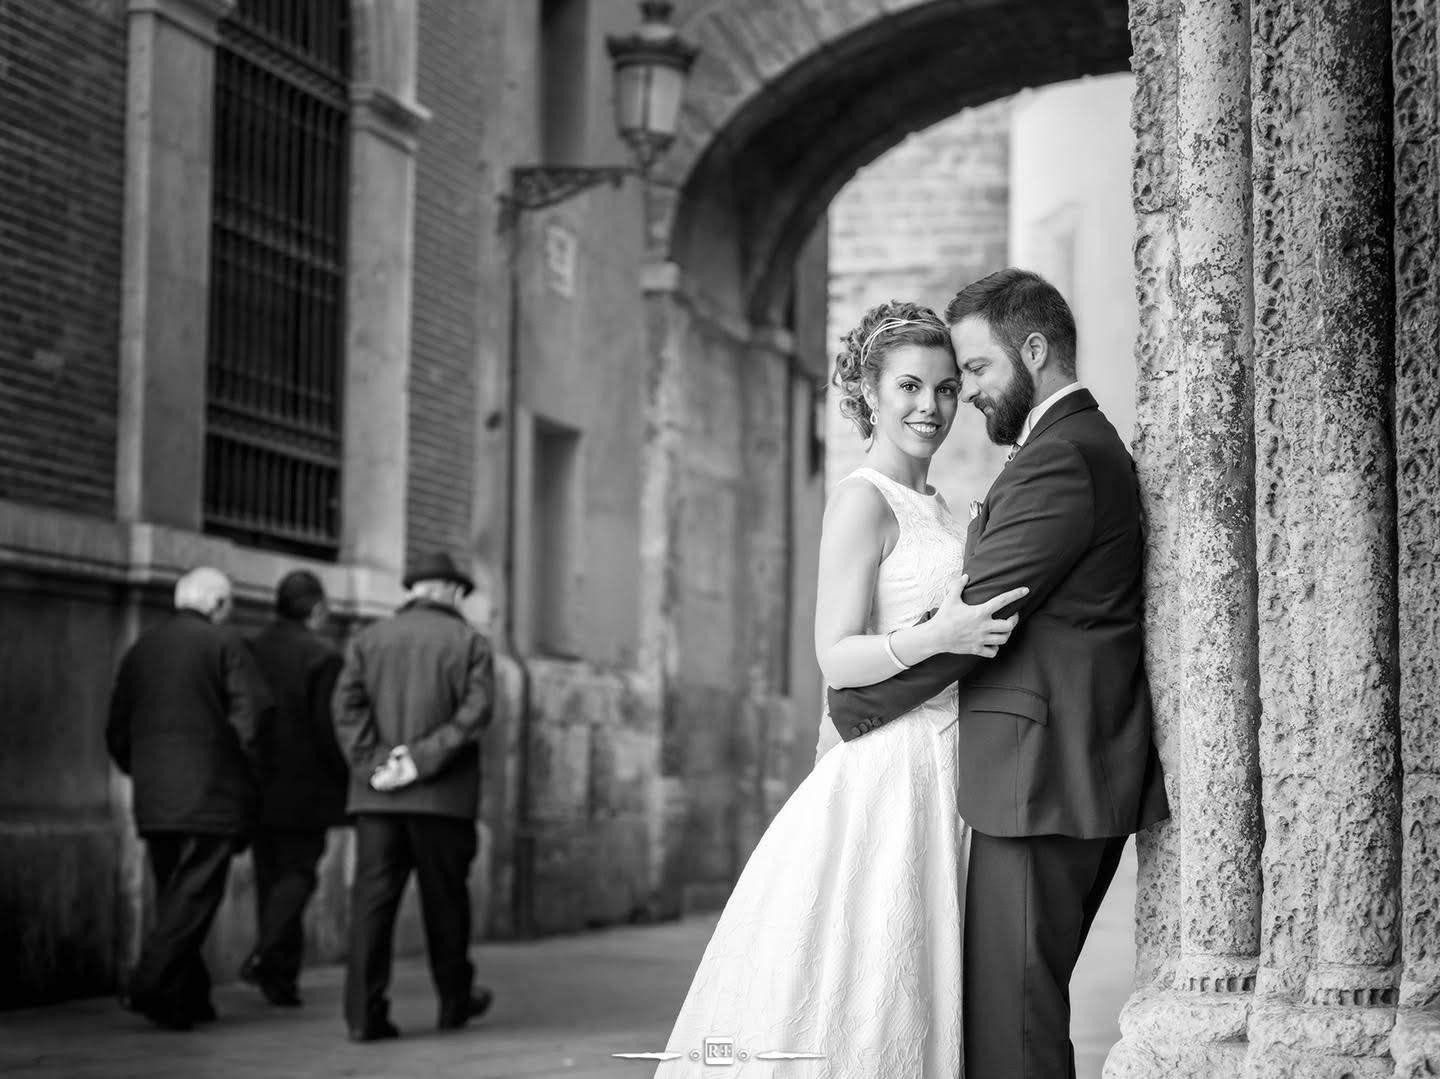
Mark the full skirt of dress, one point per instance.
(843, 936)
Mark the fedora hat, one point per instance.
(436, 566)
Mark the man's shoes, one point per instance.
(164, 1018)
(375, 1032)
(280, 994)
(455, 1014)
(204, 1012)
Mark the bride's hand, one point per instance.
(965, 630)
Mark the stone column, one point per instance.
(1219, 814)
(1155, 118)
(165, 300)
(385, 122)
(1415, 1041)
(1355, 519)
(1327, 532)
(1285, 364)
(1203, 642)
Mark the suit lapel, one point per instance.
(1071, 403)
(1079, 401)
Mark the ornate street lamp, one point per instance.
(651, 66)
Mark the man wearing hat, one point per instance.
(415, 692)
(302, 792)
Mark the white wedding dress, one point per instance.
(843, 937)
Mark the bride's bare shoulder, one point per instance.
(858, 515)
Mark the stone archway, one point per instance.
(786, 103)
(1288, 406)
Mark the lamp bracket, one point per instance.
(534, 187)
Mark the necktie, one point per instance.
(1013, 451)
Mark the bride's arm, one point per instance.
(859, 529)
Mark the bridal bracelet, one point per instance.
(890, 651)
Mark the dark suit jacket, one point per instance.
(183, 727)
(1055, 732)
(304, 776)
(426, 680)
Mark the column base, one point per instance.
(1180, 1036)
(1415, 1044)
(1310, 1041)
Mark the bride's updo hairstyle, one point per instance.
(883, 329)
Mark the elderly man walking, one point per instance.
(415, 693)
(183, 727)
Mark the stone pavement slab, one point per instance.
(563, 1006)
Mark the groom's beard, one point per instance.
(1005, 415)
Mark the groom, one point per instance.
(1057, 763)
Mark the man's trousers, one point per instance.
(388, 846)
(190, 871)
(1028, 907)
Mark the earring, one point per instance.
(874, 416)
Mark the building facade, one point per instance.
(265, 305)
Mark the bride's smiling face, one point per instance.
(915, 398)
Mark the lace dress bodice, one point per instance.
(915, 577)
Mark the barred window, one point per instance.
(274, 377)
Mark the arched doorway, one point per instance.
(786, 104)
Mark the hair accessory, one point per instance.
(886, 324)
(890, 651)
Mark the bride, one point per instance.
(842, 938)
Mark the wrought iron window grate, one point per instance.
(274, 376)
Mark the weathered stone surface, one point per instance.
(1355, 599)
(1415, 1044)
(1165, 1033)
(1215, 567)
(1285, 360)
(1326, 736)
(1155, 120)
(1414, 32)
(1304, 1028)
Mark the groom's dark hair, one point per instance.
(1014, 304)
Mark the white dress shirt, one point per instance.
(1040, 410)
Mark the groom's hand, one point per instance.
(965, 630)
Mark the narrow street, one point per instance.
(563, 1006)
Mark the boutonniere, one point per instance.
(974, 508)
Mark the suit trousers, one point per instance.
(285, 862)
(190, 871)
(1029, 905)
(388, 846)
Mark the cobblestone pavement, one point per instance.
(563, 1006)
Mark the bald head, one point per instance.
(205, 590)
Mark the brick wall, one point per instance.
(62, 161)
(446, 282)
(917, 224)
